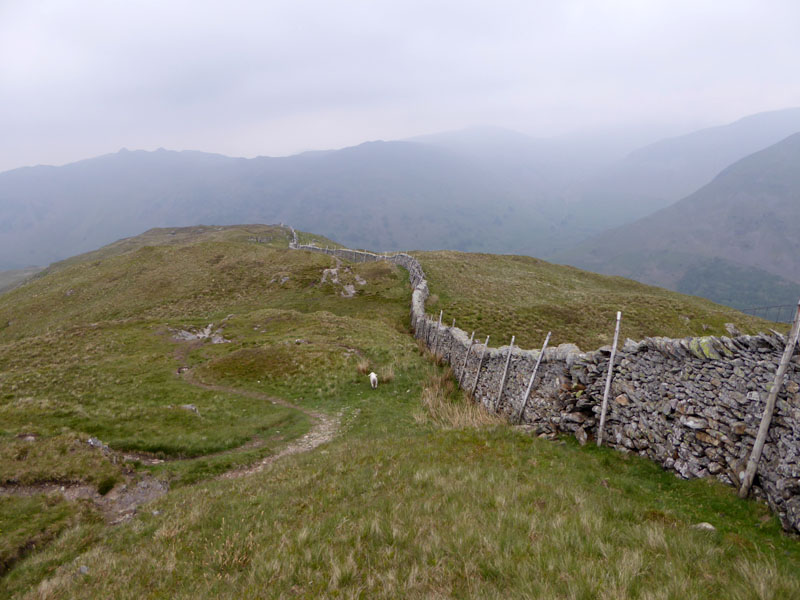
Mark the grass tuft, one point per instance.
(106, 485)
(363, 366)
(386, 374)
(444, 405)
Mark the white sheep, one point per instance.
(373, 380)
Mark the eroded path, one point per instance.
(323, 430)
(123, 501)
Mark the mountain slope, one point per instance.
(733, 240)
(661, 173)
(380, 194)
(482, 189)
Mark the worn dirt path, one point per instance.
(323, 430)
(122, 502)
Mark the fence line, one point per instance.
(780, 313)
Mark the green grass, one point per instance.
(417, 496)
(29, 523)
(62, 457)
(428, 512)
(118, 382)
(304, 237)
(269, 235)
(502, 296)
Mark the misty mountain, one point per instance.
(381, 195)
(480, 189)
(661, 173)
(546, 163)
(541, 171)
(734, 241)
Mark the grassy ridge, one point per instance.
(417, 495)
(502, 296)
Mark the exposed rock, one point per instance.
(731, 329)
(96, 443)
(332, 274)
(581, 436)
(739, 427)
(207, 333)
(694, 422)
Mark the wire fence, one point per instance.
(782, 313)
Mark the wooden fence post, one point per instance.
(608, 383)
(466, 356)
(449, 349)
(533, 376)
(452, 341)
(766, 419)
(478, 372)
(436, 337)
(503, 379)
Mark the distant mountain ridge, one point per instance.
(666, 171)
(483, 189)
(733, 241)
(379, 194)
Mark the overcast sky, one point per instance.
(80, 78)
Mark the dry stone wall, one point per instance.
(693, 405)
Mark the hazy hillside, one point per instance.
(482, 189)
(12, 278)
(541, 169)
(380, 194)
(661, 173)
(50, 213)
(733, 241)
